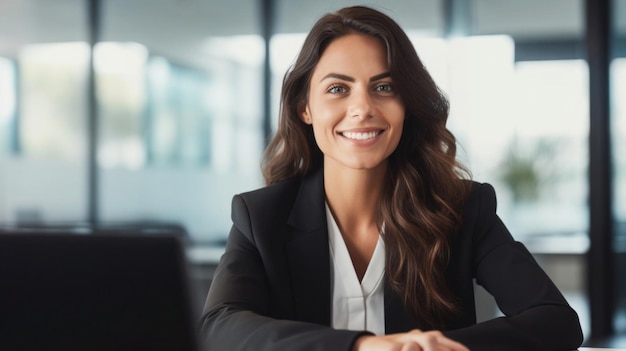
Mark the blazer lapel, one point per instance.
(307, 252)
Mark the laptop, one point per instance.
(94, 292)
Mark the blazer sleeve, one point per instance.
(536, 315)
(237, 310)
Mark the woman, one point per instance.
(369, 234)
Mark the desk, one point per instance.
(598, 349)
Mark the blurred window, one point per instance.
(8, 106)
(177, 120)
(521, 126)
(121, 98)
(618, 80)
(618, 75)
(524, 128)
(43, 109)
(618, 128)
(181, 112)
(284, 49)
(53, 97)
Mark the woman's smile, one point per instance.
(361, 138)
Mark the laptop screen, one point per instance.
(94, 292)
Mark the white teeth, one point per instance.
(360, 136)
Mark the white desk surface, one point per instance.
(598, 349)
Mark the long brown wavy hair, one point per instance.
(425, 191)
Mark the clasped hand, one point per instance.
(415, 340)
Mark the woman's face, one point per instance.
(356, 114)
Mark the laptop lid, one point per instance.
(94, 292)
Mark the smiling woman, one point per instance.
(370, 233)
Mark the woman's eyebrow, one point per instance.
(338, 76)
(380, 76)
(350, 79)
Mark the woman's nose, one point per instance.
(360, 105)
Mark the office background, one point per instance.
(154, 113)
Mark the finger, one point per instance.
(429, 341)
(411, 346)
(434, 341)
(445, 343)
(451, 344)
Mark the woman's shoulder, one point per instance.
(480, 189)
(276, 191)
(271, 200)
(481, 197)
(265, 208)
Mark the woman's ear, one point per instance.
(305, 114)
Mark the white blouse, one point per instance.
(356, 305)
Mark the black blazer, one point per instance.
(272, 287)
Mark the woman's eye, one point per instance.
(384, 88)
(337, 89)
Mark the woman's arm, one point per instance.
(537, 316)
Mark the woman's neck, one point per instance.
(354, 196)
